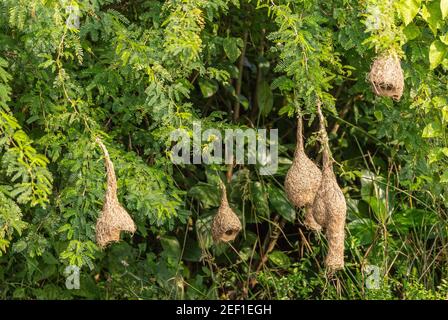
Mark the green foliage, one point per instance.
(131, 72)
(386, 36)
(10, 221)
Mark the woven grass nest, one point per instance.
(113, 218)
(329, 207)
(225, 225)
(303, 179)
(386, 77)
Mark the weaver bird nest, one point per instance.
(306, 186)
(329, 207)
(113, 218)
(386, 77)
(225, 225)
(303, 179)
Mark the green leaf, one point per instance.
(363, 229)
(444, 8)
(444, 151)
(32, 119)
(171, 246)
(19, 293)
(214, 177)
(192, 251)
(207, 194)
(378, 115)
(208, 87)
(408, 9)
(436, 154)
(414, 219)
(431, 13)
(432, 130)
(373, 192)
(437, 52)
(244, 101)
(231, 49)
(440, 153)
(49, 258)
(411, 32)
(19, 246)
(3, 245)
(260, 200)
(280, 204)
(265, 98)
(445, 114)
(280, 259)
(444, 177)
(444, 39)
(203, 231)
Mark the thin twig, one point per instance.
(272, 242)
(236, 107)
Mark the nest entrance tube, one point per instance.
(225, 225)
(329, 207)
(113, 218)
(386, 77)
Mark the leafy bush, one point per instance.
(133, 71)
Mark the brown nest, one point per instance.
(386, 77)
(303, 177)
(113, 218)
(329, 206)
(225, 225)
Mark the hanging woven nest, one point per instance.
(310, 222)
(386, 77)
(329, 207)
(113, 218)
(226, 225)
(303, 177)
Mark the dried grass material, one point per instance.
(386, 77)
(303, 178)
(226, 225)
(310, 222)
(113, 218)
(329, 207)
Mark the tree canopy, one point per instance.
(132, 72)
